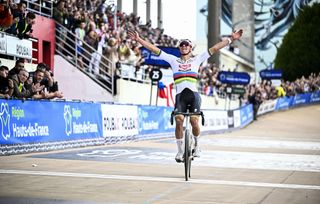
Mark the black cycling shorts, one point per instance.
(185, 98)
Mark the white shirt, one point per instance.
(185, 73)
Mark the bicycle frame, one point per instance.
(188, 140)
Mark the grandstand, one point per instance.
(103, 84)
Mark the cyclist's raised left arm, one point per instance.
(234, 36)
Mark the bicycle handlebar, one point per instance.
(187, 114)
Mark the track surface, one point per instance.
(273, 160)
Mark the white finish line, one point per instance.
(160, 179)
(262, 143)
(220, 159)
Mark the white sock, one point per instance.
(180, 145)
(196, 140)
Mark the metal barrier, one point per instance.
(66, 46)
(41, 7)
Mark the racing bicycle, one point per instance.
(189, 144)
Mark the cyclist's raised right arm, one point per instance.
(135, 36)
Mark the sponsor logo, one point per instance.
(145, 54)
(17, 112)
(184, 67)
(23, 50)
(67, 119)
(71, 115)
(121, 123)
(5, 121)
(19, 130)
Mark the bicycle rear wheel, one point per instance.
(187, 163)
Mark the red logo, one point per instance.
(184, 67)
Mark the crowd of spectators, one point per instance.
(18, 83)
(93, 22)
(256, 93)
(15, 19)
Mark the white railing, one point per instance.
(41, 7)
(66, 46)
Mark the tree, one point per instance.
(299, 54)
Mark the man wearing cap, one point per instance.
(185, 73)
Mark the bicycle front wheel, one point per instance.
(187, 163)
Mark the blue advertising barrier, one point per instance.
(46, 121)
(246, 115)
(152, 59)
(315, 97)
(241, 78)
(301, 99)
(154, 120)
(284, 103)
(51, 122)
(271, 74)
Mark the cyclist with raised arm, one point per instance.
(185, 74)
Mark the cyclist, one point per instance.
(185, 73)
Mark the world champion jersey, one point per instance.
(185, 73)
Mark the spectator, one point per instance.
(24, 26)
(47, 80)
(20, 88)
(20, 11)
(92, 40)
(255, 99)
(6, 84)
(124, 51)
(60, 13)
(61, 16)
(137, 59)
(39, 80)
(6, 17)
(280, 91)
(80, 33)
(23, 29)
(110, 53)
(14, 25)
(18, 66)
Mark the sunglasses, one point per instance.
(184, 43)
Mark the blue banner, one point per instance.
(315, 97)
(152, 59)
(246, 115)
(271, 74)
(47, 121)
(154, 120)
(284, 103)
(301, 99)
(241, 78)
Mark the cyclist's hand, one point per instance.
(236, 34)
(133, 35)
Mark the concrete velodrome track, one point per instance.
(274, 160)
